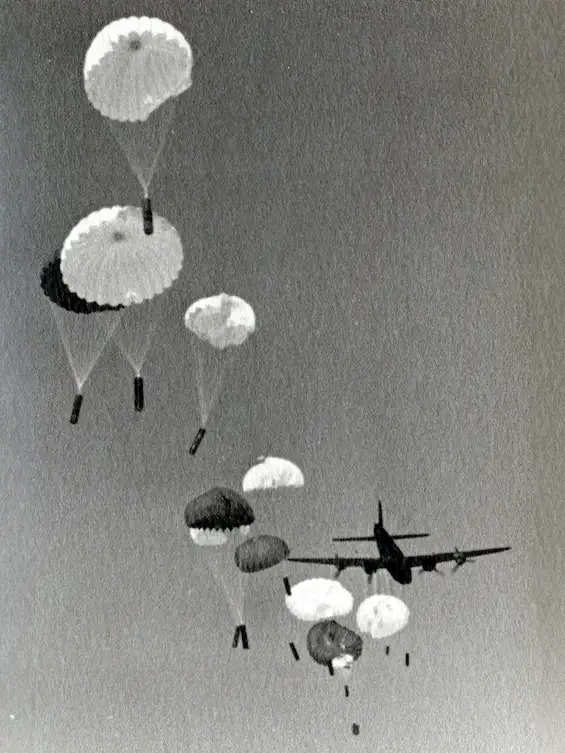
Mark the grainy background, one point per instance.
(383, 182)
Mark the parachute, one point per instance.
(319, 598)
(134, 70)
(382, 615)
(214, 519)
(272, 473)
(260, 553)
(218, 509)
(336, 647)
(84, 327)
(270, 479)
(133, 65)
(328, 642)
(221, 322)
(107, 259)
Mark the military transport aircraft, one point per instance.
(391, 557)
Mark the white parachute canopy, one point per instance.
(382, 616)
(343, 663)
(214, 536)
(272, 473)
(319, 599)
(221, 322)
(107, 258)
(133, 65)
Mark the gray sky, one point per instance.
(382, 182)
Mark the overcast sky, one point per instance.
(382, 181)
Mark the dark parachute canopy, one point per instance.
(219, 508)
(260, 553)
(55, 289)
(328, 640)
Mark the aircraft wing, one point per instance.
(421, 560)
(374, 563)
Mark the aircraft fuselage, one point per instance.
(392, 557)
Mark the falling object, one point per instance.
(387, 650)
(196, 442)
(287, 586)
(147, 216)
(355, 728)
(76, 409)
(240, 631)
(138, 393)
(294, 651)
(407, 660)
(243, 633)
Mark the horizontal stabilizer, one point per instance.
(356, 538)
(410, 536)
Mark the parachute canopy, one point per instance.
(221, 509)
(133, 65)
(108, 259)
(208, 537)
(221, 320)
(319, 598)
(382, 615)
(343, 663)
(260, 553)
(329, 641)
(55, 289)
(272, 473)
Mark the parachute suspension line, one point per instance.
(213, 398)
(65, 339)
(235, 607)
(200, 381)
(84, 338)
(142, 142)
(224, 571)
(167, 110)
(135, 334)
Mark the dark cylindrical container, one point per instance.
(138, 393)
(76, 409)
(196, 442)
(147, 216)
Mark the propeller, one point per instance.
(460, 559)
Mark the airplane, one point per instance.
(391, 557)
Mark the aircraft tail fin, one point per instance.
(380, 514)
